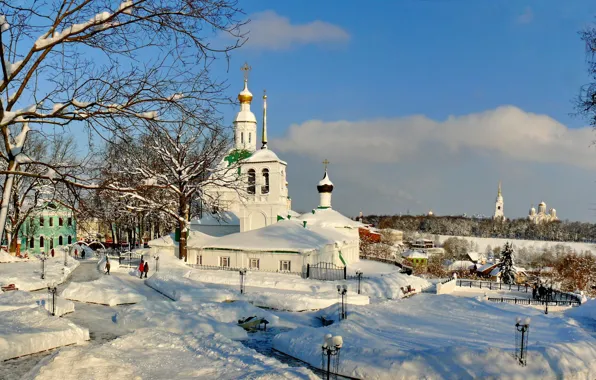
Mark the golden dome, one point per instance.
(245, 96)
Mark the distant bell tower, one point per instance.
(245, 123)
(499, 212)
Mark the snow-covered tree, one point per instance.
(104, 65)
(507, 265)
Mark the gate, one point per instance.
(326, 271)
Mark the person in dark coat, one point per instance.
(141, 267)
(107, 266)
(52, 252)
(146, 268)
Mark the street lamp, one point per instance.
(156, 257)
(331, 347)
(521, 343)
(43, 265)
(52, 290)
(342, 291)
(359, 275)
(242, 274)
(66, 256)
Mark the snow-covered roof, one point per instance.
(460, 264)
(195, 239)
(284, 236)
(485, 267)
(413, 254)
(475, 256)
(264, 155)
(328, 217)
(325, 180)
(225, 218)
(293, 214)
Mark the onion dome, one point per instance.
(245, 96)
(325, 185)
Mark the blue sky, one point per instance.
(430, 102)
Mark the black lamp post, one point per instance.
(521, 348)
(342, 291)
(156, 257)
(242, 274)
(52, 290)
(331, 347)
(66, 256)
(549, 293)
(359, 274)
(43, 266)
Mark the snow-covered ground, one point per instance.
(6, 257)
(108, 290)
(519, 243)
(446, 337)
(19, 299)
(157, 354)
(29, 330)
(26, 275)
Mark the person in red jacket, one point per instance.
(142, 267)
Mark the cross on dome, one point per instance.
(246, 68)
(326, 162)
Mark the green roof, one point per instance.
(237, 155)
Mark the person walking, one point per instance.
(107, 266)
(146, 268)
(142, 267)
(52, 252)
(76, 253)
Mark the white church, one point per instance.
(255, 227)
(540, 216)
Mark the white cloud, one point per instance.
(507, 132)
(526, 17)
(270, 31)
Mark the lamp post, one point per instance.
(342, 291)
(43, 265)
(359, 275)
(331, 347)
(52, 290)
(66, 256)
(156, 257)
(242, 274)
(549, 293)
(521, 348)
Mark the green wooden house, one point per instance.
(52, 226)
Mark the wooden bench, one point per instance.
(407, 290)
(8, 288)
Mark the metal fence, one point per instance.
(326, 272)
(562, 296)
(528, 301)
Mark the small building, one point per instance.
(417, 258)
(51, 226)
(492, 271)
(421, 243)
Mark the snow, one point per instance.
(195, 239)
(26, 275)
(460, 265)
(6, 257)
(445, 337)
(325, 180)
(263, 155)
(18, 299)
(108, 290)
(519, 243)
(224, 218)
(328, 217)
(413, 254)
(26, 331)
(389, 285)
(156, 354)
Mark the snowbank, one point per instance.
(27, 331)
(292, 301)
(446, 338)
(6, 257)
(24, 300)
(182, 289)
(179, 318)
(107, 290)
(586, 310)
(156, 354)
(26, 275)
(389, 285)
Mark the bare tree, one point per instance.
(101, 64)
(586, 104)
(179, 161)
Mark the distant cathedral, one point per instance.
(542, 216)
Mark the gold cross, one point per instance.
(326, 162)
(246, 68)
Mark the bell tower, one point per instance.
(499, 212)
(245, 123)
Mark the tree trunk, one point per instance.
(183, 213)
(12, 166)
(15, 225)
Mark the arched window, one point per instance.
(251, 181)
(265, 188)
(40, 242)
(70, 220)
(51, 221)
(60, 241)
(60, 221)
(31, 243)
(242, 137)
(41, 221)
(69, 239)
(249, 137)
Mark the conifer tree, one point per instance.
(507, 271)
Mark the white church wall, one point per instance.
(267, 261)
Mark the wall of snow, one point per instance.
(107, 290)
(447, 287)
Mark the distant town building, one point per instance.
(542, 216)
(52, 226)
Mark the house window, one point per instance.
(60, 222)
(41, 221)
(51, 221)
(265, 188)
(242, 137)
(60, 241)
(70, 220)
(200, 260)
(69, 239)
(284, 266)
(40, 242)
(253, 264)
(251, 181)
(224, 262)
(32, 243)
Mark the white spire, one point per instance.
(264, 120)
